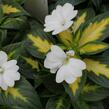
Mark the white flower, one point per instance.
(8, 71)
(67, 67)
(60, 19)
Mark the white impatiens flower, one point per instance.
(8, 71)
(67, 67)
(60, 19)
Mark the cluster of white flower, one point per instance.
(60, 19)
(67, 67)
(8, 71)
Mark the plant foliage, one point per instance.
(23, 38)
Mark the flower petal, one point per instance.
(10, 63)
(59, 76)
(71, 52)
(55, 58)
(67, 25)
(76, 72)
(2, 83)
(53, 70)
(77, 63)
(68, 73)
(57, 30)
(9, 81)
(51, 23)
(51, 65)
(69, 12)
(12, 74)
(16, 76)
(4, 86)
(58, 13)
(60, 19)
(3, 57)
(62, 73)
(58, 51)
(70, 79)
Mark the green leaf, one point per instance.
(15, 50)
(81, 104)
(98, 67)
(12, 8)
(91, 32)
(22, 95)
(60, 102)
(66, 38)
(14, 23)
(28, 65)
(83, 16)
(12, 107)
(21, 1)
(97, 3)
(93, 48)
(100, 80)
(94, 93)
(50, 84)
(97, 105)
(105, 8)
(74, 2)
(1, 12)
(3, 35)
(75, 89)
(38, 42)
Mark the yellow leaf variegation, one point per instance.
(7, 9)
(33, 63)
(79, 21)
(89, 88)
(93, 48)
(66, 37)
(83, 16)
(42, 45)
(74, 87)
(22, 94)
(15, 93)
(94, 31)
(97, 67)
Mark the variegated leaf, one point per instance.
(28, 65)
(12, 8)
(38, 42)
(22, 95)
(75, 86)
(7, 9)
(74, 2)
(97, 67)
(96, 29)
(83, 16)
(94, 93)
(93, 48)
(60, 102)
(33, 63)
(66, 37)
(42, 45)
(14, 23)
